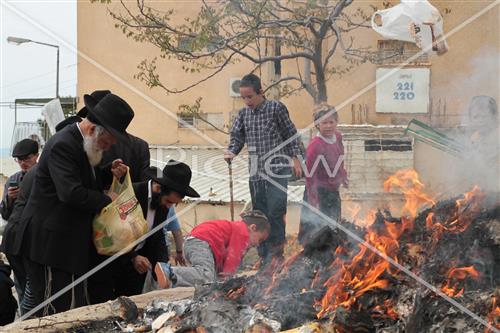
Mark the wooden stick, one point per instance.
(230, 167)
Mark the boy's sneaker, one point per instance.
(164, 275)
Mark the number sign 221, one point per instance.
(404, 91)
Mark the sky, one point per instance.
(29, 70)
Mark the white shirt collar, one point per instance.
(80, 130)
(150, 193)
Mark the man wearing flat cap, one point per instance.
(65, 197)
(157, 196)
(25, 153)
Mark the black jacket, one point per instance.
(134, 154)
(12, 235)
(64, 199)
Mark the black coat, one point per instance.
(134, 154)
(155, 247)
(64, 199)
(11, 242)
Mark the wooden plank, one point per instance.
(65, 320)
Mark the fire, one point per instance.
(351, 209)
(351, 279)
(385, 310)
(467, 208)
(408, 182)
(362, 274)
(278, 272)
(465, 211)
(236, 293)
(454, 278)
(494, 316)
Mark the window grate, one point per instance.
(388, 145)
(185, 120)
(394, 52)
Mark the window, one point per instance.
(388, 145)
(185, 120)
(393, 52)
(216, 119)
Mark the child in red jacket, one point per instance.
(325, 166)
(214, 248)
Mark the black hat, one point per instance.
(25, 147)
(176, 176)
(68, 121)
(111, 112)
(97, 96)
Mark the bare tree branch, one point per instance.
(288, 78)
(223, 32)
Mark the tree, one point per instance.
(306, 32)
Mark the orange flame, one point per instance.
(454, 276)
(494, 316)
(408, 182)
(363, 273)
(351, 210)
(234, 294)
(385, 310)
(284, 269)
(460, 220)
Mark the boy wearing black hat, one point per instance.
(25, 153)
(157, 196)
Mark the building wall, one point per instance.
(112, 62)
(108, 60)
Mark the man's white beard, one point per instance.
(93, 152)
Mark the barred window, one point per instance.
(394, 52)
(388, 145)
(185, 120)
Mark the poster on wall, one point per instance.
(404, 90)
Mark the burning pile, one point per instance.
(433, 271)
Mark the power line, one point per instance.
(34, 77)
(46, 87)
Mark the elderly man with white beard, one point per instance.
(66, 195)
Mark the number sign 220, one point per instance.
(404, 91)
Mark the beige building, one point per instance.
(108, 60)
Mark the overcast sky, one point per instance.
(29, 70)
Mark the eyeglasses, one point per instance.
(23, 158)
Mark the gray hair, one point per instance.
(98, 130)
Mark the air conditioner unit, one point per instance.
(234, 87)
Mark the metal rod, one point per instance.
(57, 74)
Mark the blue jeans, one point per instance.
(272, 201)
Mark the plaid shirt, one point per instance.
(263, 130)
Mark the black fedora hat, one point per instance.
(111, 112)
(175, 176)
(96, 95)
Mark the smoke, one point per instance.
(478, 133)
